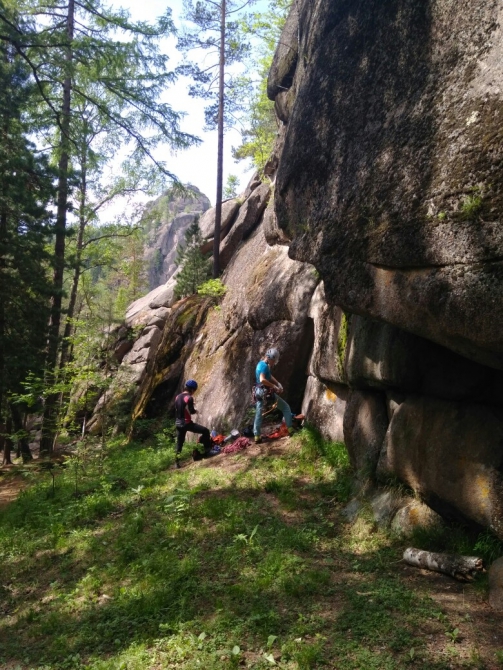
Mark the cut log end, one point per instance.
(462, 568)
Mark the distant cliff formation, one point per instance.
(372, 255)
(165, 222)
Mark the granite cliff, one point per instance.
(372, 254)
(164, 222)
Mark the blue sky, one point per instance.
(198, 164)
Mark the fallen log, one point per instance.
(462, 568)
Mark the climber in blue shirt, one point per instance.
(265, 380)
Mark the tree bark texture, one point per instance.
(220, 158)
(49, 423)
(462, 568)
(69, 329)
(6, 429)
(19, 424)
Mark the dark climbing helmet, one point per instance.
(272, 354)
(191, 384)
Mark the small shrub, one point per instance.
(471, 205)
(213, 288)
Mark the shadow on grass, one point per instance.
(261, 553)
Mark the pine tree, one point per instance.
(195, 269)
(219, 31)
(84, 51)
(25, 228)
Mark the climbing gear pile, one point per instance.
(238, 445)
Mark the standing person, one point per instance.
(184, 408)
(264, 378)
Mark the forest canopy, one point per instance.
(85, 110)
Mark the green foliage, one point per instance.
(231, 188)
(471, 205)
(342, 342)
(213, 288)
(203, 32)
(26, 192)
(194, 267)
(261, 127)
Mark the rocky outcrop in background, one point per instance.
(165, 222)
(374, 263)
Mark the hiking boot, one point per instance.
(258, 439)
(177, 464)
(292, 431)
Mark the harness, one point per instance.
(265, 394)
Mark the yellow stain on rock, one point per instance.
(330, 395)
(483, 487)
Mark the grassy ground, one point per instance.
(239, 561)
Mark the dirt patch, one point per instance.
(10, 488)
(466, 609)
(233, 463)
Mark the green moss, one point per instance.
(471, 205)
(342, 342)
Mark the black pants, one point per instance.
(194, 428)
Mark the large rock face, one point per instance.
(390, 182)
(450, 453)
(395, 192)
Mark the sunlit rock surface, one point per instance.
(371, 255)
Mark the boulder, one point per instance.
(413, 516)
(385, 505)
(451, 454)
(273, 234)
(140, 311)
(496, 585)
(267, 300)
(395, 194)
(144, 347)
(365, 425)
(207, 221)
(122, 348)
(158, 317)
(286, 55)
(249, 216)
(279, 289)
(324, 407)
(330, 341)
(380, 355)
(254, 183)
(283, 104)
(351, 511)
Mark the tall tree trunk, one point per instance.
(7, 442)
(20, 428)
(69, 328)
(50, 410)
(220, 158)
(3, 251)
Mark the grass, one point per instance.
(210, 567)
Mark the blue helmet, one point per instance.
(191, 384)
